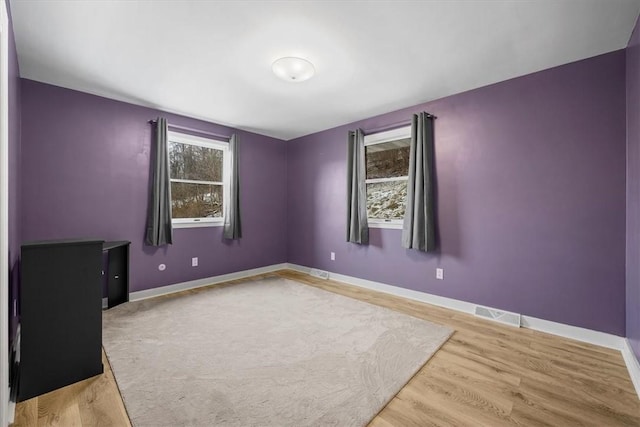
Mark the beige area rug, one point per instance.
(269, 352)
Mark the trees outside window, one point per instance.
(198, 173)
(387, 168)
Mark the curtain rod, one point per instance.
(393, 126)
(188, 129)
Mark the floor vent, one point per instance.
(319, 273)
(506, 317)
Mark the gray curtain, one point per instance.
(232, 224)
(357, 226)
(418, 230)
(159, 230)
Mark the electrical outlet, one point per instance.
(440, 273)
(333, 256)
(194, 261)
(162, 267)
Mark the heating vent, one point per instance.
(319, 273)
(506, 317)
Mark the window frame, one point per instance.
(215, 144)
(403, 132)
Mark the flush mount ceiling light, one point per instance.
(293, 69)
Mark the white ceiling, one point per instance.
(212, 60)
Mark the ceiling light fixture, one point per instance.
(293, 69)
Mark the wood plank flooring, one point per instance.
(487, 374)
(92, 402)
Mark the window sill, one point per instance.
(197, 224)
(390, 225)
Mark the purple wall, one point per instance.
(633, 191)
(85, 173)
(531, 198)
(14, 176)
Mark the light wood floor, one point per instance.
(485, 375)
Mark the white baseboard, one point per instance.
(457, 305)
(198, 283)
(632, 365)
(574, 332)
(577, 333)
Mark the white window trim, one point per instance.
(386, 136)
(379, 138)
(395, 224)
(394, 178)
(196, 223)
(216, 144)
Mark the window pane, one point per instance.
(389, 159)
(196, 163)
(386, 200)
(196, 200)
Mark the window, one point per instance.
(387, 164)
(199, 175)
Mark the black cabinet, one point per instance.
(117, 272)
(61, 314)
